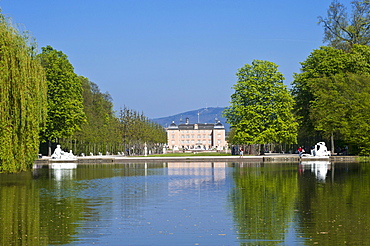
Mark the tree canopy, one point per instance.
(136, 129)
(342, 29)
(65, 101)
(22, 99)
(328, 90)
(104, 131)
(342, 105)
(101, 129)
(261, 106)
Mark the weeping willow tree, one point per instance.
(22, 99)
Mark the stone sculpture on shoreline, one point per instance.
(59, 154)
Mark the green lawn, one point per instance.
(191, 154)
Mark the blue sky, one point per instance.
(164, 57)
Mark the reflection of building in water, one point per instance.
(319, 168)
(199, 136)
(195, 174)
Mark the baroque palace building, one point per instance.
(198, 136)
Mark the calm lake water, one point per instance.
(188, 204)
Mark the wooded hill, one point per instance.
(202, 115)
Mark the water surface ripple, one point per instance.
(188, 204)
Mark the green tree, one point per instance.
(137, 130)
(342, 30)
(22, 99)
(261, 107)
(346, 100)
(320, 89)
(100, 133)
(65, 102)
(322, 62)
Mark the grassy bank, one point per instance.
(364, 158)
(192, 154)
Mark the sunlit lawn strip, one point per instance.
(191, 154)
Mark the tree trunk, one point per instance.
(49, 148)
(332, 143)
(261, 150)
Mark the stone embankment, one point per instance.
(268, 158)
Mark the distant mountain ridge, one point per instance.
(203, 115)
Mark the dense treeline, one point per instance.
(43, 99)
(106, 133)
(138, 131)
(43, 102)
(331, 94)
(22, 99)
(99, 130)
(333, 97)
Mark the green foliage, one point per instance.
(65, 102)
(105, 132)
(347, 100)
(343, 30)
(101, 130)
(328, 210)
(332, 94)
(31, 216)
(22, 99)
(322, 62)
(137, 130)
(263, 202)
(261, 107)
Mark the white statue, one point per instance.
(61, 155)
(320, 150)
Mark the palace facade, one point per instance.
(198, 136)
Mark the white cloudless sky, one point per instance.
(164, 57)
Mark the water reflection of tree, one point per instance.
(30, 213)
(60, 206)
(19, 211)
(263, 202)
(337, 212)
